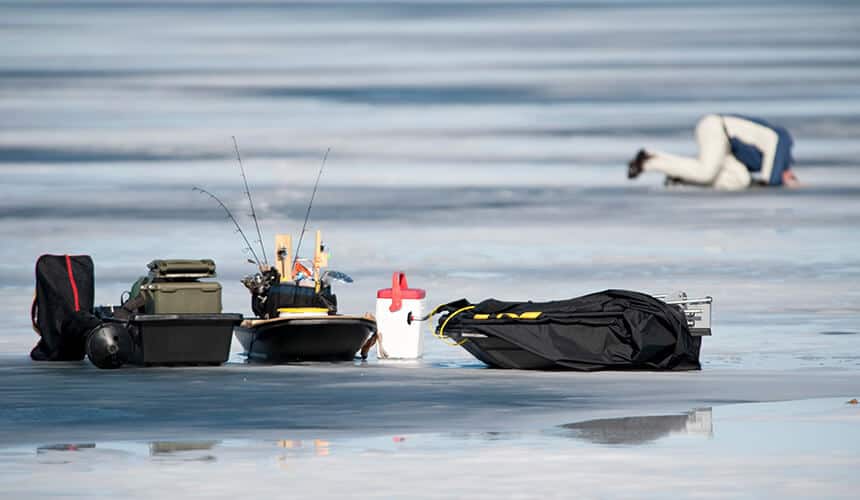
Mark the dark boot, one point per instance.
(635, 167)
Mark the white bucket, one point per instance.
(398, 338)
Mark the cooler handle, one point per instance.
(398, 283)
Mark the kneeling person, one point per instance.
(735, 152)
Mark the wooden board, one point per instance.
(252, 323)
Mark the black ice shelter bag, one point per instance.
(63, 305)
(609, 330)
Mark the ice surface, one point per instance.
(481, 148)
(788, 450)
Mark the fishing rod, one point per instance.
(311, 204)
(251, 202)
(235, 223)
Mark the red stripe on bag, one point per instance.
(72, 281)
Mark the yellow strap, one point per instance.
(435, 311)
(441, 335)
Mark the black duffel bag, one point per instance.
(609, 330)
(62, 308)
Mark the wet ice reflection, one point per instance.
(165, 447)
(642, 430)
(612, 431)
(182, 451)
(789, 449)
(64, 447)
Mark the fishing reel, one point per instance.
(260, 283)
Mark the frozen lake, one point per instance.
(749, 451)
(478, 146)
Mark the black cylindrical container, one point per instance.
(109, 345)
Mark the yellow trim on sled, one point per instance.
(303, 310)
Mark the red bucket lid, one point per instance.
(399, 290)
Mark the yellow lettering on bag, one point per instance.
(525, 315)
(530, 315)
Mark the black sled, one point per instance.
(296, 312)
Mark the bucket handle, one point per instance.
(398, 283)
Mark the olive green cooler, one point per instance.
(182, 297)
